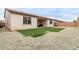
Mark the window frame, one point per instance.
(27, 20)
(50, 22)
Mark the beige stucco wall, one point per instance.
(17, 22)
(78, 21)
(7, 20)
(50, 25)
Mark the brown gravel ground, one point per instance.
(67, 39)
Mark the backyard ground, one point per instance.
(67, 39)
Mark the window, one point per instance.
(29, 20)
(50, 22)
(26, 20)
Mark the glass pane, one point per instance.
(50, 22)
(24, 20)
(29, 21)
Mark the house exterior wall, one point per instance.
(78, 21)
(48, 23)
(17, 22)
(7, 20)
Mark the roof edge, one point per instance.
(24, 13)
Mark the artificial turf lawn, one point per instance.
(38, 31)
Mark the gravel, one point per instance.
(67, 39)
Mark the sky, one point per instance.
(66, 14)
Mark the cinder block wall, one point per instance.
(77, 24)
(66, 24)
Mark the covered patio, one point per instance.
(41, 22)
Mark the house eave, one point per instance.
(23, 13)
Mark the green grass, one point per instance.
(38, 31)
